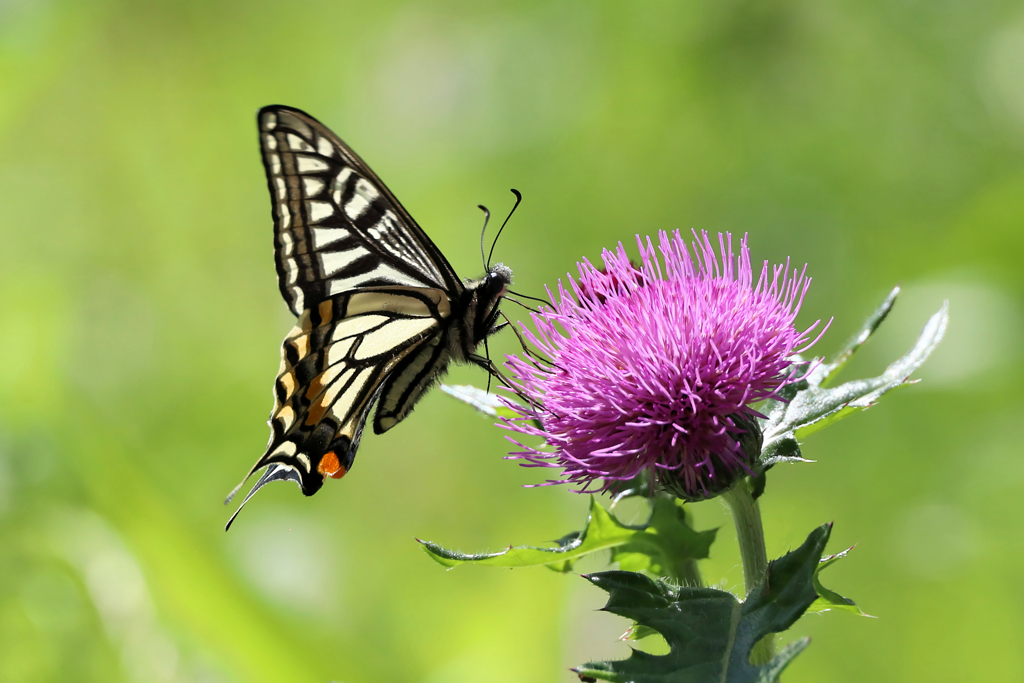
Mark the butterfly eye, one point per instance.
(497, 281)
(495, 285)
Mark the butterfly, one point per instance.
(381, 313)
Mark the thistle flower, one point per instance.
(658, 367)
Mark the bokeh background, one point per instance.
(140, 322)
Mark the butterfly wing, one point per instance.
(334, 364)
(372, 293)
(337, 227)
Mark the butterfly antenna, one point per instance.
(519, 198)
(487, 218)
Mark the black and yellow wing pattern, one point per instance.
(381, 313)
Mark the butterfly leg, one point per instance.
(522, 342)
(492, 369)
(487, 355)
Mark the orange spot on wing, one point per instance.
(330, 467)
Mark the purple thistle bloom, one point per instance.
(656, 367)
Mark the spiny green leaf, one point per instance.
(809, 406)
(486, 403)
(661, 546)
(667, 543)
(826, 371)
(709, 632)
(829, 599)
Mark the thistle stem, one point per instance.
(688, 574)
(746, 515)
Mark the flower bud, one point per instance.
(722, 470)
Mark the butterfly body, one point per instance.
(381, 313)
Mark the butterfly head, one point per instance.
(496, 282)
(494, 286)
(480, 306)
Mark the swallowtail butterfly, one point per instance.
(381, 313)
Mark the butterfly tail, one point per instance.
(274, 472)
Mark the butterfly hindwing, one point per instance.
(334, 363)
(336, 225)
(403, 388)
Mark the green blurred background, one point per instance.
(140, 322)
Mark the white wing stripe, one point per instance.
(343, 405)
(338, 351)
(318, 211)
(306, 164)
(324, 236)
(381, 272)
(341, 179)
(350, 327)
(312, 186)
(328, 376)
(297, 144)
(391, 336)
(365, 190)
(356, 206)
(333, 261)
(287, 245)
(369, 302)
(324, 146)
(286, 448)
(332, 392)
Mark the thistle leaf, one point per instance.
(826, 371)
(484, 402)
(809, 405)
(665, 544)
(710, 633)
(829, 599)
(661, 546)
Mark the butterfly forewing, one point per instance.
(336, 225)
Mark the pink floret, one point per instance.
(652, 364)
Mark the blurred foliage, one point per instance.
(878, 142)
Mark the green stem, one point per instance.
(687, 574)
(746, 515)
